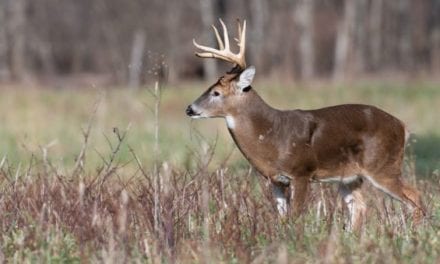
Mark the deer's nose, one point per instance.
(189, 111)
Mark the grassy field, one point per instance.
(81, 181)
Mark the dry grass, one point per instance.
(193, 216)
(116, 202)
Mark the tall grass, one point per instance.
(82, 187)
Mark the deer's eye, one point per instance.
(215, 93)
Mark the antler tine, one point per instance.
(224, 52)
(219, 39)
(239, 30)
(209, 52)
(214, 55)
(242, 43)
(225, 34)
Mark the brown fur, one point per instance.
(315, 145)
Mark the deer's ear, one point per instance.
(246, 78)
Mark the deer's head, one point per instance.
(225, 96)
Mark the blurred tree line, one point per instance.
(129, 41)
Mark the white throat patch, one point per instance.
(230, 121)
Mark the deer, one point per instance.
(346, 144)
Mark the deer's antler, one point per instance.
(224, 52)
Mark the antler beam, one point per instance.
(224, 52)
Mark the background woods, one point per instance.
(106, 174)
(127, 42)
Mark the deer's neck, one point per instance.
(254, 126)
(252, 115)
(252, 107)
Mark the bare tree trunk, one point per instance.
(304, 19)
(344, 40)
(16, 34)
(375, 39)
(135, 67)
(207, 14)
(4, 70)
(360, 45)
(435, 51)
(109, 32)
(435, 40)
(389, 29)
(258, 12)
(173, 18)
(41, 48)
(405, 42)
(44, 52)
(77, 58)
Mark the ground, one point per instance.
(83, 177)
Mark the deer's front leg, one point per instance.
(299, 189)
(280, 194)
(283, 188)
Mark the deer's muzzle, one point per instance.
(190, 111)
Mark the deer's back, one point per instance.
(344, 140)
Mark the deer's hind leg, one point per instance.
(352, 196)
(390, 182)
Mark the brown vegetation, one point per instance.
(191, 215)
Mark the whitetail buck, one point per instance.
(344, 144)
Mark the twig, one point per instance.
(80, 159)
(109, 168)
(156, 181)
